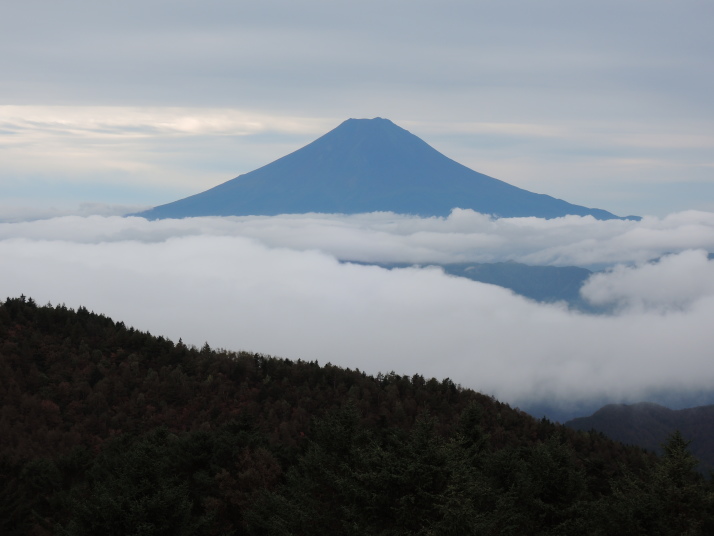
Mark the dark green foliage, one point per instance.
(670, 498)
(350, 481)
(133, 489)
(107, 430)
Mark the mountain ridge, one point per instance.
(647, 425)
(367, 165)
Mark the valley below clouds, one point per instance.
(295, 286)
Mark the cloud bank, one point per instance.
(465, 236)
(277, 286)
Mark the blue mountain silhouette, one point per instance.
(367, 165)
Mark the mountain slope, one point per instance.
(546, 284)
(367, 165)
(647, 425)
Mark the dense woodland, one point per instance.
(108, 430)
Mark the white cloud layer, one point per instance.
(464, 236)
(673, 283)
(275, 285)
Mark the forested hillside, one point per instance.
(108, 430)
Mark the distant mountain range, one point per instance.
(648, 425)
(368, 165)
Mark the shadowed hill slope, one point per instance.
(647, 425)
(367, 165)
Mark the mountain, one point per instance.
(647, 425)
(367, 165)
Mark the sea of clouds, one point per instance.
(280, 286)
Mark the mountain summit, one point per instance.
(367, 165)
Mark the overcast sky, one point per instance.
(137, 103)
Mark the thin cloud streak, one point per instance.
(275, 285)
(140, 122)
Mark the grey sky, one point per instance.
(605, 104)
